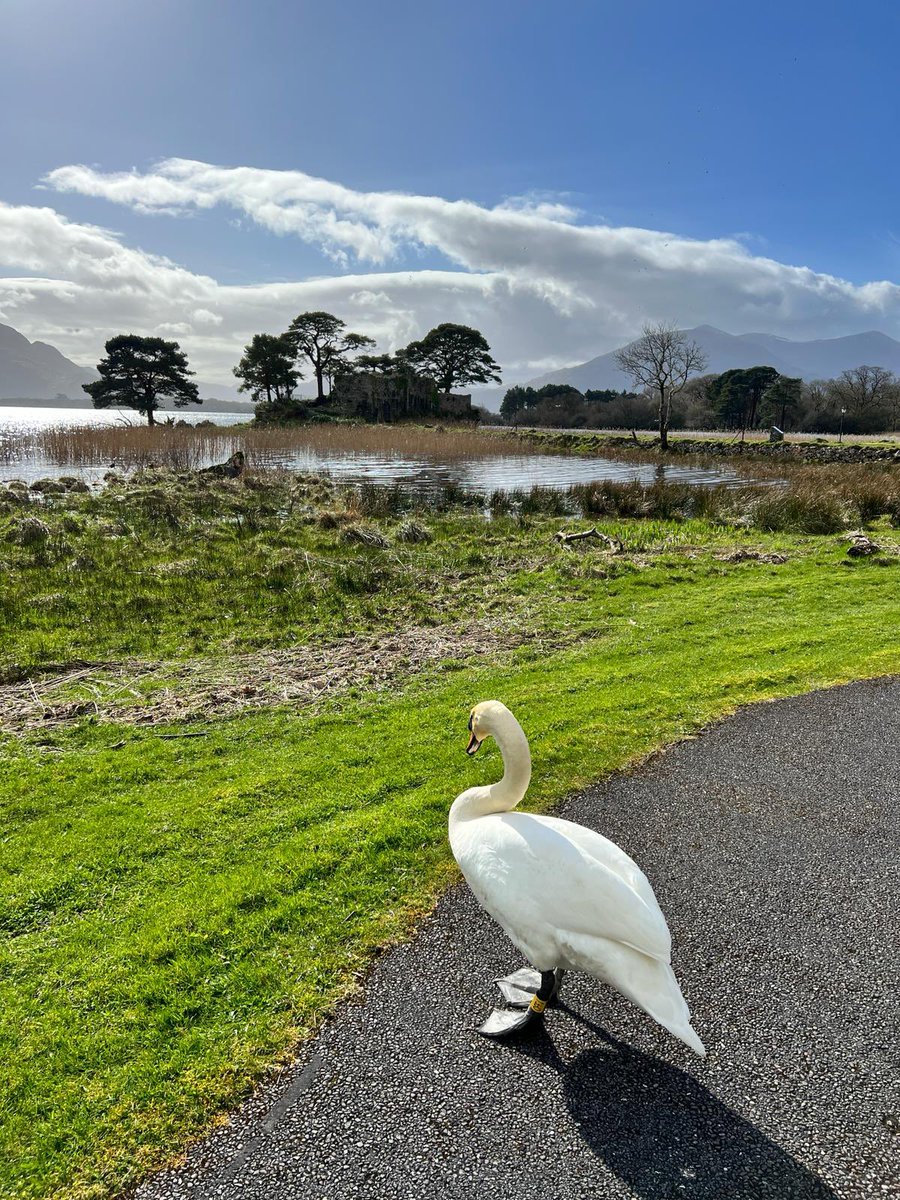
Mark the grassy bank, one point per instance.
(180, 903)
(167, 566)
(795, 449)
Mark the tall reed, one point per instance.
(186, 447)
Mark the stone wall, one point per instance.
(805, 451)
(455, 407)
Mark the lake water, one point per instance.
(503, 472)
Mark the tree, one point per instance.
(783, 394)
(516, 399)
(738, 393)
(376, 364)
(138, 372)
(320, 338)
(267, 370)
(602, 395)
(454, 354)
(661, 360)
(863, 389)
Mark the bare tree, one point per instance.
(864, 388)
(661, 360)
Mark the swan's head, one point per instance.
(483, 721)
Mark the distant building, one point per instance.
(396, 397)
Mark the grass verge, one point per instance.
(178, 912)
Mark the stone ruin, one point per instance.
(397, 397)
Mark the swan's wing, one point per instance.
(531, 875)
(607, 852)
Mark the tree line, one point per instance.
(670, 389)
(143, 372)
(671, 392)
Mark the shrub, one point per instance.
(411, 531)
(549, 501)
(28, 531)
(873, 501)
(781, 511)
(357, 535)
(375, 500)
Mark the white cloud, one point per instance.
(545, 289)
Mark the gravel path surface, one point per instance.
(772, 843)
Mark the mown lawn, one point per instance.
(177, 913)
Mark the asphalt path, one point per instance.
(772, 843)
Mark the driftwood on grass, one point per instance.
(565, 538)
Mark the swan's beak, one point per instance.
(474, 740)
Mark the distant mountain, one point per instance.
(818, 359)
(809, 360)
(36, 371)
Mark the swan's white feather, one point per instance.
(535, 875)
(565, 895)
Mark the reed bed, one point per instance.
(186, 447)
(780, 495)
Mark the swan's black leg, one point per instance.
(505, 1021)
(518, 988)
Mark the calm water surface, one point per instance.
(423, 475)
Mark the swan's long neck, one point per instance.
(506, 793)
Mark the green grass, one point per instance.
(176, 914)
(171, 568)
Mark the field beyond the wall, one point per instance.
(233, 718)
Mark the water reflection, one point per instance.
(421, 475)
(427, 476)
(503, 473)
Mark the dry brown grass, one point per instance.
(184, 447)
(147, 693)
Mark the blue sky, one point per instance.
(770, 129)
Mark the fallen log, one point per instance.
(565, 538)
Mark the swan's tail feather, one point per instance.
(647, 982)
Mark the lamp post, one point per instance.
(841, 433)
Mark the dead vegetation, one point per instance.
(147, 693)
(191, 447)
(745, 555)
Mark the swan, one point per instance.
(567, 897)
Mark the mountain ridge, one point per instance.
(815, 358)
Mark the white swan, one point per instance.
(569, 898)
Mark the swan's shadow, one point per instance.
(663, 1133)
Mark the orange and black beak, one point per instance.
(474, 741)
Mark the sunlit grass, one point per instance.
(172, 567)
(176, 914)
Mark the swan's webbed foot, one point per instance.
(518, 988)
(503, 1022)
(530, 994)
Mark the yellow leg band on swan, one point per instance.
(537, 1005)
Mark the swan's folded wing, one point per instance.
(530, 873)
(597, 846)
